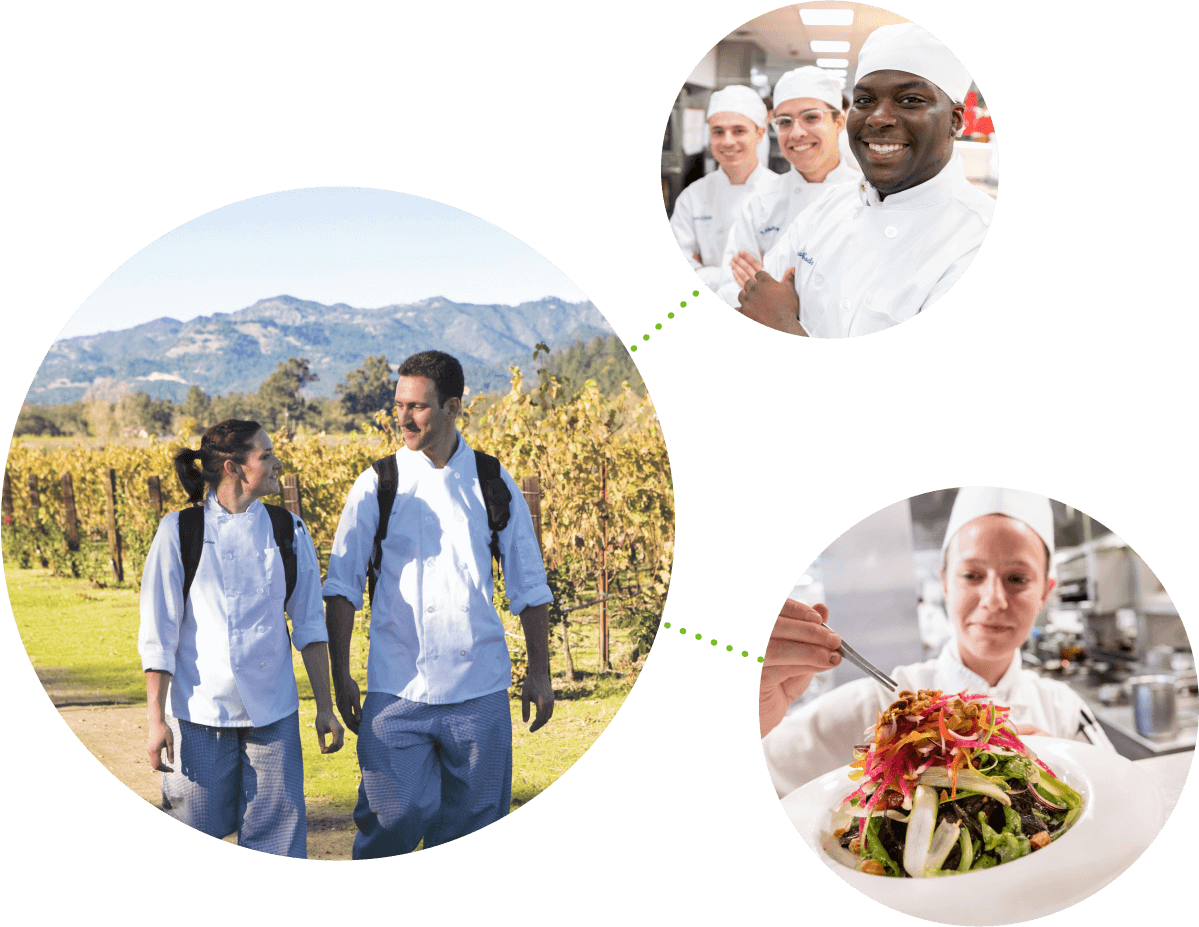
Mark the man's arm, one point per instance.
(538, 688)
(339, 621)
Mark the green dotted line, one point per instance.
(713, 641)
(669, 315)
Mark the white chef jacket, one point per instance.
(863, 264)
(704, 213)
(227, 649)
(820, 736)
(435, 636)
(767, 213)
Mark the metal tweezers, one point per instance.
(863, 664)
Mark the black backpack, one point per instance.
(496, 497)
(191, 543)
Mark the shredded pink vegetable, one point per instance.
(926, 729)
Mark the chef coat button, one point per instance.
(457, 475)
(260, 590)
(464, 566)
(262, 666)
(845, 304)
(255, 555)
(818, 280)
(431, 609)
(868, 298)
(890, 231)
(261, 629)
(461, 608)
(857, 213)
(798, 189)
(461, 653)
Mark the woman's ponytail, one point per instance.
(191, 479)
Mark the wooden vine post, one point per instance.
(602, 585)
(7, 500)
(34, 499)
(291, 495)
(154, 485)
(114, 536)
(70, 520)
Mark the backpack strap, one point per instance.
(389, 478)
(191, 543)
(284, 528)
(496, 497)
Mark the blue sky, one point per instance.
(367, 248)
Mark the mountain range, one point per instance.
(236, 351)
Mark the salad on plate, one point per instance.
(946, 786)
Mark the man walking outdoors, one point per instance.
(435, 729)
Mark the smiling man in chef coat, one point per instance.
(705, 210)
(809, 123)
(867, 256)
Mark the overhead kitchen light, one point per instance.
(826, 17)
(827, 45)
(832, 62)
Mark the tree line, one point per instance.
(280, 403)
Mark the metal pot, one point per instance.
(1153, 706)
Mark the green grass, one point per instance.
(89, 637)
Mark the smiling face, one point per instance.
(734, 139)
(901, 128)
(260, 473)
(425, 422)
(810, 149)
(995, 585)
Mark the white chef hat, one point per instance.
(806, 82)
(741, 100)
(976, 501)
(907, 47)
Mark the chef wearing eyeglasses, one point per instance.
(867, 256)
(995, 575)
(808, 122)
(705, 210)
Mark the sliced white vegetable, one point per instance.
(920, 831)
(938, 776)
(945, 838)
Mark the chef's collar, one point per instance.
(954, 676)
(842, 172)
(757, 173)
(214, 509)
(939, 188)
(422, 456)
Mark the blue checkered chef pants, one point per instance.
(432, 771)
(248, 780)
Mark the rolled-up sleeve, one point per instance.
(305, 606)
(520, 556)
(162, 605)
(354, 541)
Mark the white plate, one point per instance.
(1122, 815)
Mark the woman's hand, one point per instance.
(327, 723)
(800, 647)
(160, 738)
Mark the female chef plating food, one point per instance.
(995, 574)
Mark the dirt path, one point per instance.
(116, 735)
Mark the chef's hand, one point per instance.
(349, 700)
(160, 738)
(772, 302)
(1023, 729)
(539, 690)
(800, 647)
(327, 723)
(744, 266)
(698, 259)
